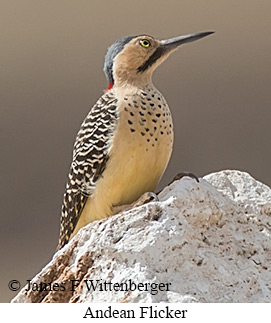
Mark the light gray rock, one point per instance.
(202, 242)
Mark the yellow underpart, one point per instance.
(134, 166)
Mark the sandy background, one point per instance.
(51, 63)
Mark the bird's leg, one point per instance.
(144, 199)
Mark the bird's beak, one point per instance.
(167, 46)
(173, 43)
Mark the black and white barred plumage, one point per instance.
(90, 155)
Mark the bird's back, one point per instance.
(90, 155)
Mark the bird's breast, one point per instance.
(141, 147)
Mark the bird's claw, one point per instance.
(146, 198)
(183, 174)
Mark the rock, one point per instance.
(202, 242)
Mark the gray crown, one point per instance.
(112, 52)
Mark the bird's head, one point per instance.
(132, 60)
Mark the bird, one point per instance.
(125, 142)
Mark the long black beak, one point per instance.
(166, 46)
(175, 42)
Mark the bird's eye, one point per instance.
(145, 43)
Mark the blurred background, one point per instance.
(51, 62)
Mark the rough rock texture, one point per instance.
(210, 240)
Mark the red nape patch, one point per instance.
(110, 85)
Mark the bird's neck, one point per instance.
(110, 85)
(130, 90)
(132, 84)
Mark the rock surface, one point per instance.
(202, 242)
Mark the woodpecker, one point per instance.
(125, 142)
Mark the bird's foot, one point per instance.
(144, 199)
(181, 175)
